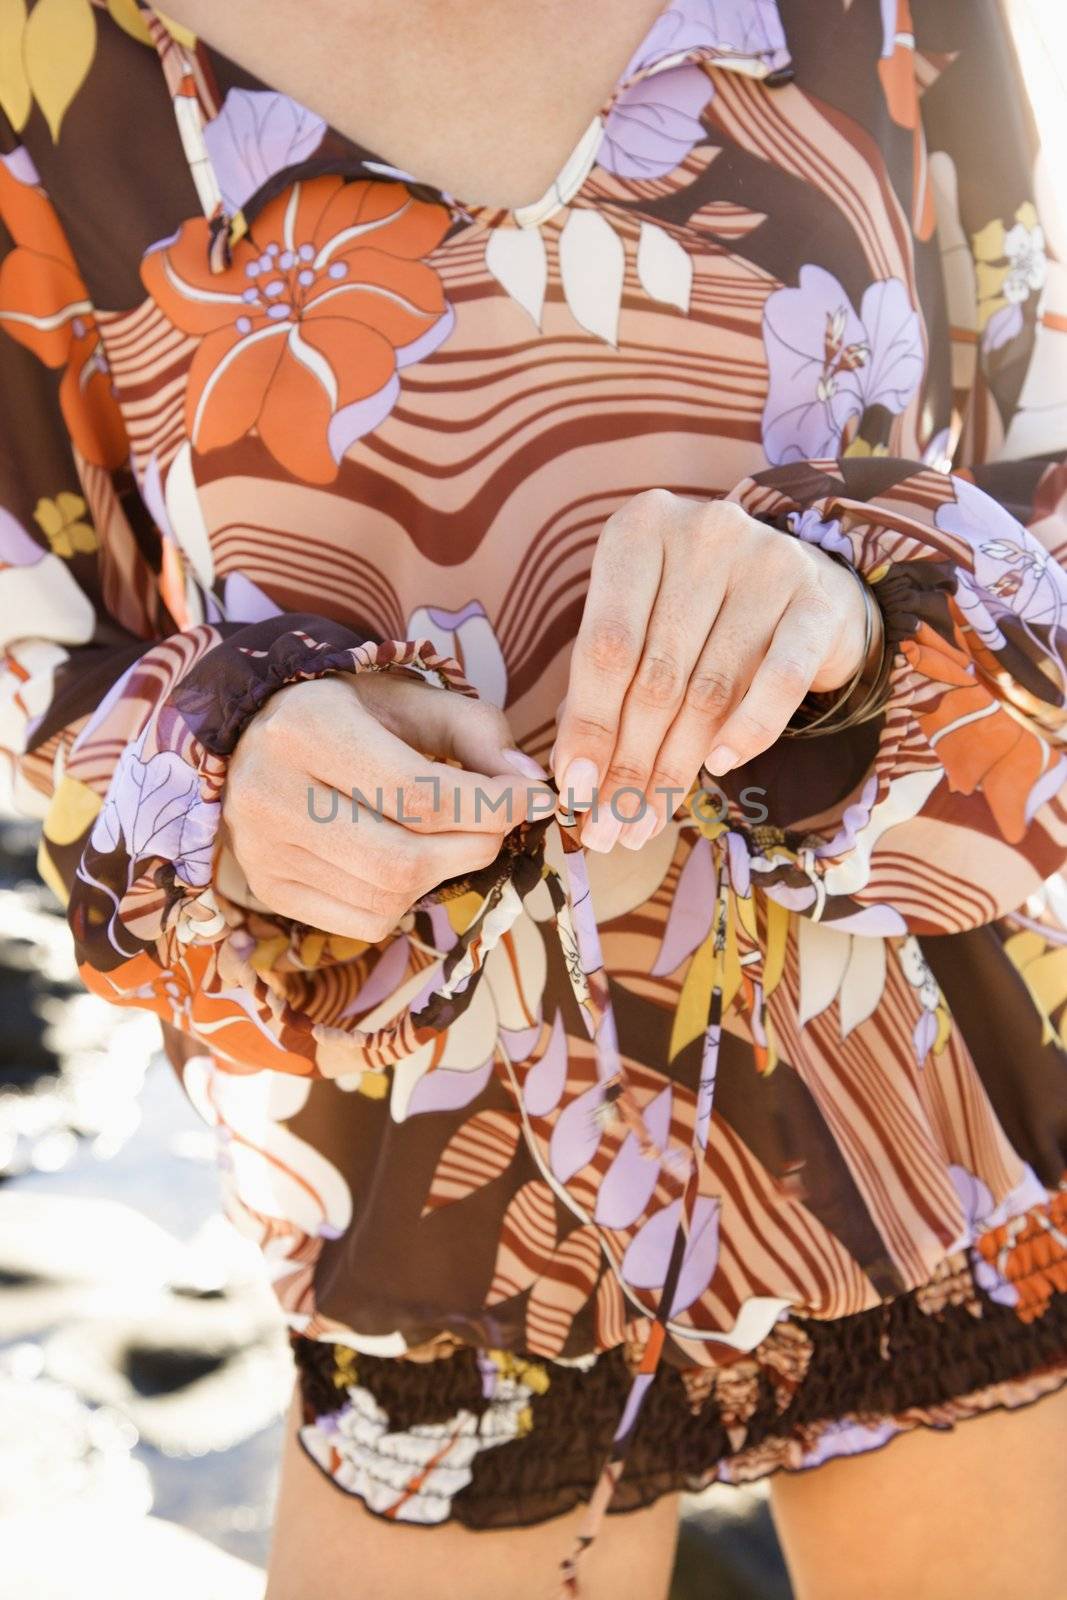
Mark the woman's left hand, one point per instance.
(702, 632)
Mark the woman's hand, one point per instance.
(702, 632)
(315, 743)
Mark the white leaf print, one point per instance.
(186, 517)
(822, 955)
(592, 262)
(862, 985)
(516, 258)
(755, 1319)
(904, 799)
(664, 267)
(275, 1173)
(43, 599)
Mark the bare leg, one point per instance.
(327, 1546)
(975, 1514)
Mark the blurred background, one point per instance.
(143, 1366)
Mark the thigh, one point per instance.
(327, 1546)
(971, 1514)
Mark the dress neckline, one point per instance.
(744, 36)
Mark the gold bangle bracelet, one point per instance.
(870, 705)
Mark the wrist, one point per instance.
(857, 656)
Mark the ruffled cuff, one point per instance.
(946, 810)
(145, 914)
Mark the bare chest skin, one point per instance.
(485, 99)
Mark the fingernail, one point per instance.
(601, 833)
(579, 782)
(722, 758)
(635, 834)
(524, 764)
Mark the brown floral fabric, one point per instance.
(271, 409)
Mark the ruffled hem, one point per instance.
(537, 1433)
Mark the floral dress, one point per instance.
(738, 1153)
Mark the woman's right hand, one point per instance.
(373, 733)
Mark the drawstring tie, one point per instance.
(686, 1166)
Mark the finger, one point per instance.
(717, 685)
(722, 672)
(386, 856)
(691, 592)
(343, 748)
(387, 775)
(477, 734)
(370, 921)
(450, 726)
(623, 583)
(778, 685)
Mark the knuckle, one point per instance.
(278, 723)
(818, 606)
(611, 646)
(667, 779)
(653, 502)
(634, 516)
(627, 772)
(756, 730)
(404, 875)
(414, 800)
(588, 729)
(789, 675)
(497, 722)
(724, 519)
(658, 681)
(779, 554)
(709, 691)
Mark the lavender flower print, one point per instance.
(257, 134)
(655, 122)
(154, 809)
(1013, 576)
(827, 365)
(654, 125)
(749, 29)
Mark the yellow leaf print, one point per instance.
(1043, 968)
(861, 447)
(16, 97)
(691, 1012)
(61, 522)
(73, 810)
(58, 45)
(178, 31)
(129, 16)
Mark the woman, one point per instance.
(712, 1127)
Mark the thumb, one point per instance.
(479, 737)
(445, 725)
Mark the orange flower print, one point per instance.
(980, 744)
(45, 306)
(303, 334)
(1030, 1252)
